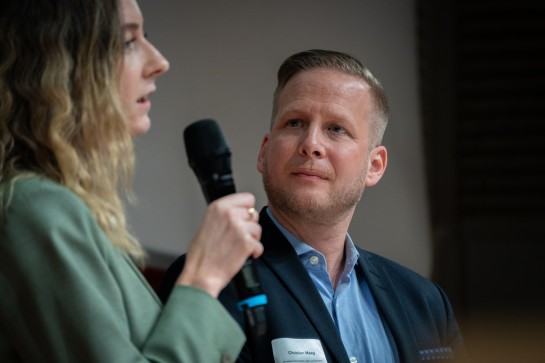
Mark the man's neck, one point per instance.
(328, 239)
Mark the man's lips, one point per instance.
(311, 174)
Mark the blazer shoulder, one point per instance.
(30, 195)
(401, 276)
(43, 218)
(423, 301)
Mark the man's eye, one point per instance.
(294, 123)
(337, 129)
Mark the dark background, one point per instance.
(482, 72)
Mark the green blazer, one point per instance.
(68, 295)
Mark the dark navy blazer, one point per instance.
(416, 313)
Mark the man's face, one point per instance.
(315, 160)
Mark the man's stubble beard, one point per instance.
(327, 211)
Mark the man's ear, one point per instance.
(378, 158)
(261, 155)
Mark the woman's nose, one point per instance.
(157, 64)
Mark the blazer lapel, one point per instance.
(281, 258)
(391, 307)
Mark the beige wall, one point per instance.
(223, 57)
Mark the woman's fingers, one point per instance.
(228, 236)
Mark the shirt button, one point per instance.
(314, 260)
(353, 360)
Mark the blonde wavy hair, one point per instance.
(60, 111)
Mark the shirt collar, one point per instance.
(301, 247)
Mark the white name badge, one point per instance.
(287, 350)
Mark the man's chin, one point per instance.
(308, 209)
(313, 208)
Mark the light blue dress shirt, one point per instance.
(352, 308)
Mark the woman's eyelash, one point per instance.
(129, 42)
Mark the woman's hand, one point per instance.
(228, 236)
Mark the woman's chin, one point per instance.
(140, 127)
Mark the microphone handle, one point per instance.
(252, 300)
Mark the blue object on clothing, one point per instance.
(253, 301)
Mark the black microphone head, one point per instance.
(210, 158)
(204, 141)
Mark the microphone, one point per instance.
(210, 159)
